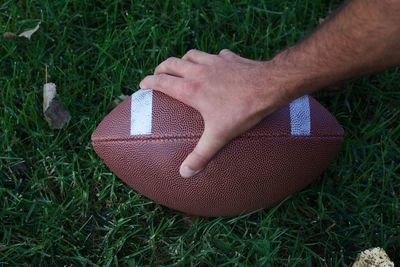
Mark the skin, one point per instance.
(233, 93)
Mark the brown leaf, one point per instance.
(9, 35)
(53, 110)
(56, 115)
(119, 99)
(373, 257)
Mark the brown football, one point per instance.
(145, 139)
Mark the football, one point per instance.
(146, 138)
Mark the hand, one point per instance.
(231, 93)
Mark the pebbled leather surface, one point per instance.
(255, 170)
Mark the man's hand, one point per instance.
(231, 93)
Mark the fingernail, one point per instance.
(187, 172)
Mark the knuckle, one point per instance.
(159, 78)
(191, 52)
(158, 68)
(225, 51)
(171, 61)
(150, 78)
(156, 78)
(227, 55)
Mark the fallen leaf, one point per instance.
(28, 33)
(49, 92)
(9, 35)
(374, 257)
(54, 112)
(119, 99)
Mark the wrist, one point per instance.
(298, 72)
(285, 80)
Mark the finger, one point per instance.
(176, 66)
(175, 87)
(200, 57)
(204, 151)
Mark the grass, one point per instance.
(60, 206)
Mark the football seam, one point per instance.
(192, 138)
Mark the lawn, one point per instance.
(60, 206)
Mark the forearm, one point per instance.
(363, 36)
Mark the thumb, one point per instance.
(204, 151)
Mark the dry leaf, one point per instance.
(28, 33)
(374, 257)
(9, 35)
(49, 92)
(119, 99)
(54, 112)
